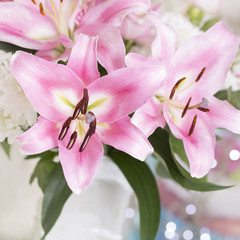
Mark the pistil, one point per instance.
(90, 132)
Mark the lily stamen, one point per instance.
(41, 9)
(200, 74)
(65, 129)
(186, 107)
(175, 87)
(72, 140)
(33, 1)
(81, 107)
(203, 109)
(192, 126)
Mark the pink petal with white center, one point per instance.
(148, 117)
(212, 53)
(52, 88)
(110, 46)
(134, 59)
(80, 167)
(39, 138)
(26, 27)
(200, 145)
(83, 59)
(164, 44)
(123, 91)
(113, 11)
(224, 115)
(124, 136)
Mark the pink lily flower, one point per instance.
(52, 26)
(148, 29)
(186, 102)
(79, 110)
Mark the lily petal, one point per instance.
(79, 167)
(204, 53)
(46, 90)
(200, 145)
(110, 46)
(134, 59)
(39, 138)
(114, 11)
(26, 27)
(124, 136)
(123, 91)
(224, 115)
(83, 59)
(149, 117)
(164, 44)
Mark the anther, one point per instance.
(65, 128)
(90, 132)
(186, 107)
(200, 74)
(41, 9)
(34, 1)
(61, 1)
(72, 140)
(203, 109)
(192, 126)
(86, 99)
(81, 107)
(175, 87)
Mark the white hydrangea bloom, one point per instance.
(16, 112)
(182, 26)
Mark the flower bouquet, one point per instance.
(122, 80)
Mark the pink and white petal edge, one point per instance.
(124, 90)
(46, 84)
(26, 27)
(126, 137)
(83, 59)
(224, 115)
(39, 138)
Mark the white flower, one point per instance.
(16, 112)
(182, 26)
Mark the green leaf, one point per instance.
(144, 185)
(102, 70)
(55, 196)
(178, 148)
(42, 172)
(161, 168)
(160, 142)
(210, 23)
(48, 154)
(6, 147)
(233, 97)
